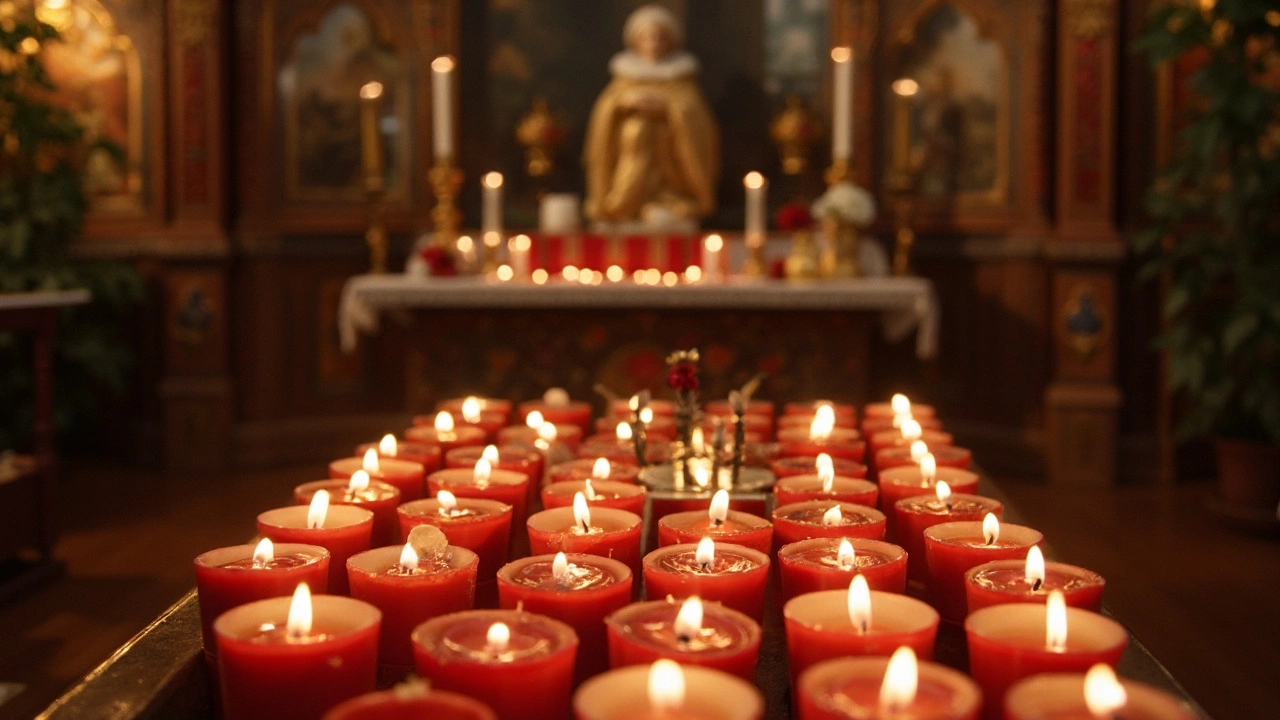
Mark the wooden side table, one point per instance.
(28, 524)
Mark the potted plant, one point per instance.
(1216, 240)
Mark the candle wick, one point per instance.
(1035, 586)
(948, 503)
(865, 626)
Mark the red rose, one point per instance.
(683, 376)
(439, 261)
(793, 216)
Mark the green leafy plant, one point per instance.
(42, 206)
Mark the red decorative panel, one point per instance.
(1088, 161)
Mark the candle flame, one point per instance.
(706, 552)
(408, 559)
(900, 404)
(832, 516)
(905, 87)
(841, 54)
(547, 432)
(689, 620)
(719, 509)
(623, 431)
(556, 397)
(359, 482)
(483, 471)
(1055, 631)
(860, 604)
(388, 446)
(824, 421)
(319, 509)
(1034, 574)
(444, 422)
(448, 501)
(943, 491)
(492, 179)
(701, 476)
(911, 430)
(666, 686)
(263, 553)
(634, 402)
(560, 568)
(520, 243)
(753, 180)
(490, 454)
(901, 678)
(471, 410)
(698, 441)
(714, 243)
(827, 474)
(845, 555)
(299, 623)
(1103, 693)
(589, 490)
(824, 461)
(371, 90)
(498, 639)
(900, 418)
(443, 64)
(601, 469)
(692, 274)
(928, 469)
(581, 512)
(370, 461)
(918, 450)
(646, 415)
(990, 528)
(534, 419)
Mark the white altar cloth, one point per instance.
(905, 304)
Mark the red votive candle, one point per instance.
(403, 475)
(667, 690)
(592, 468)
(578, 590)
(838, 443)
(515, 458)
(481, 526)
(855, 621)
(688, 631)
(483, 482)
(343, 530)
(830, 564)
(570, 435)
(233, 576)
(278, 660)
(945, 455)
(722, 408)
(825, 518)
(871, 425)
(899, 404)
(899, 437)
(488, 421)
(428, 456)
(501, 406)
(623, 451)
(1066, 696)
(1029, 581)
(445, 433)
(756, 428)
(912, 480)
(378, 498)
(409, 701)
(606, 532)
(808, 465)
(519, 663)
(799, 488)
(620, 409)
(660, 426)
(714, 571)
(599, 493)
(411, 588)
(846, 688)
(914, 515)
(810, 407)
(719, 523)
(951, 549)
(1010, 642)
(556, 407)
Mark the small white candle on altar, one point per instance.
(491, 208)
(712, 248)
(756, 187)
(842, 104)
(442, 106)
(904, 93)
(518, 249)
(370, 138)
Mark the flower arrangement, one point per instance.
(682, 376)
(846, 203)
(439, 261)
(793, 216)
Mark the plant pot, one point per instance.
(1248, 473)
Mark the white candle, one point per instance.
(842, 104)
(712, 247)
(518, 249)
(491, 208)
(756, 187)
(442, 106)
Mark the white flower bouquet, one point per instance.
(846, 203)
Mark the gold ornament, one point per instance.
(541, 133)
(793, 131)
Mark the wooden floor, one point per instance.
(1204, 599)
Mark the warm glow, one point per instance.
(714, 243)
(1055, 630)
(319, 509)
(359, 482)
(569, 273)
(928, 469)
(623, 431)
(264, 553)
(706, 552)
(588, 489)
(701, 476)
(824, 461)
(827, 474)
(905, 87)
(505, 273)
(444, 422)
(466, 245)
(900, 404)
(824, 421)
(860, 604)
(547, 432)
(898, 692)
(534, 419)
(448, 501)
(990, 528)
(719, 507)
(471, 410)
(581, 513)
(753, 180)
(560, 568)
(1034, 574)
(498, 638)
(698, 441)
(689, 620)
(845, 555)
(483, 471)
(615, 273)
(388, 446)
(490, 454)
(371, 90)
(370, 461)
(1103, 693)
(520, 243)
(646, 415)
(670, 279)
(652, 276)
(443, 64)
(911, 430)
(492, 180)
(540, 276)
(666, 686)
(899, 419)
(943, 491)
(692, 274)
(832, 516)
(601, 470)
(556, 397)
(408, 559)
(918, 450)
(841, 54)
(299, 622)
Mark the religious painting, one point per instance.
(959, 141)
(319, 86)
(98, 77)
(796, 41)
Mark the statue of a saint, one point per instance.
(652, 150)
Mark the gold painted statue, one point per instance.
(652, 149)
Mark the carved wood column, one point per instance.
(1082, 400)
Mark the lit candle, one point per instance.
(1095, 695)
(607, 532)
(906, 433)
(389, 448)
(598, 468)
(712, 261)
(756, 187)
(442, 429)
(491, 208)
(1030, 581)
(411, 699)
(895, 687)
(689, 631)
(479, 525)
(442, 107)
(904, 93)
(830, 564)
(898, 404)
(914, 515)
(904, 454)
(484, 481)
(825, 518)
(535, 429)
(914, 479)
(519, 249)
(598, 494)
(824, 484)
(487, 404)
(519, 458)
(343, 530)
(370, 137)
(362, 491)
(732, 574)
(811, 464)
(952, 549)
(405, 475)
(842, 104)
(667, 690)
(556, 406)
(821, 436)
(718, 522)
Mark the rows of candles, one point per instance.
(502, 562)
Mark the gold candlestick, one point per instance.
(838, 172)
(901, 185)
(376, 236)
(374, 185)
(446, 180)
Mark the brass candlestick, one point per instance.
(753, 265)
(376, 236)
(446, 181)
(838, 172)
(902, 193)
